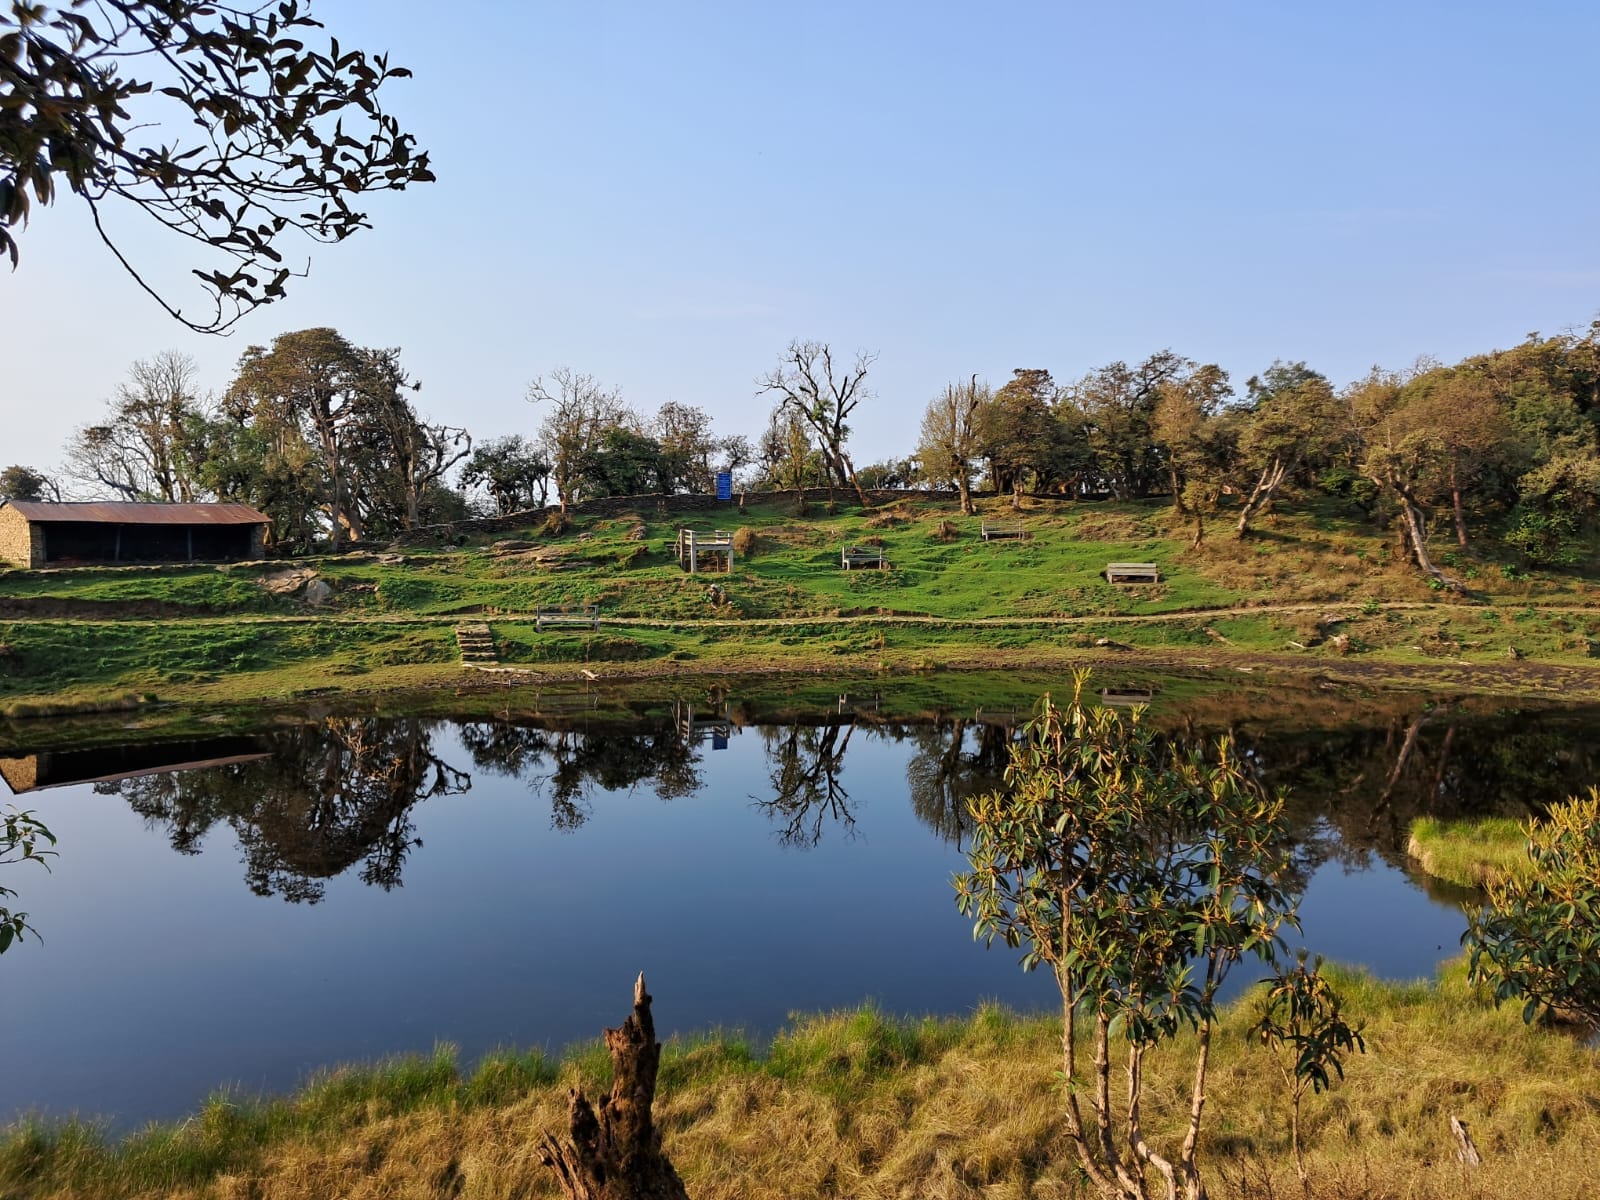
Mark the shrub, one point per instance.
(745, 541)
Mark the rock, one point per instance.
(636, 534)
(287, 583)
(392, 560)
(510, 546)
(716, 595)
(318, 592)
(1340, 642)
(1513, 654)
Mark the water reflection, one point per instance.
(323, 798)
(308, 803)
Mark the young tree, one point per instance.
(1195, 440)
(948, 450)
(1538, 939)
(217, 121)
(809, 387)
(139, 448)
(1291, 415)
(1139, 871)
(578, 413)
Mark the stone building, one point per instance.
(41, 534)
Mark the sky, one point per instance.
(663, 196)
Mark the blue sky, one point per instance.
(663, 196)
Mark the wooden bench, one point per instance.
(991, 532)
(1133, 573)
(862, 556)
(693, 547)
(586, 616)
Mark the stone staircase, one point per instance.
(476, 643)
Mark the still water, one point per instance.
(348, 888)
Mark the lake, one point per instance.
(322, 886)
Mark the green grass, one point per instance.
(1469, 853)
(390, 623)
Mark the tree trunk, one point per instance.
(616, 1154)
(964, 486)
(1260, 495)
(1177, 490)
(1461, 515)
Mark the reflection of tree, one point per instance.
(572, 764)
(943, 774)
(329, 796)
(805, 763)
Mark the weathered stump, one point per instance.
(615, 1154)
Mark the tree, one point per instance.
(1118, 403)
(949, 446)
(1538, 939)
(398, 458)
(683, 433)
(1195, 439)
(24, 483)
(140, 448)
(1018, 431)
(511, 471)
(810, 388)
(625, 463)
(308, 387)
(23, 838)
(1139, 871)
(1291, 415)
(578, 414)
(217, 121)
(1468, 432)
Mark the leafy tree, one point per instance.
(218, 121)
(140, 449)
(1467, 432)
(578, 413)
(511, 470)
(1291, 416)
(1538, 938)
(307, 387)
(1301, 1019)
(1117, 404)
(24, 483)
(1559, 501)
(23, 838)
(271, 470)
(1196, 440)
(948, 451)
(1018, 432)
(398, 459)
(1139, 871)
(687, 449)
(625, 463)
(810, 388)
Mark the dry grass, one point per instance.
(859, 1105)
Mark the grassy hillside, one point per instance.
(1316, 583)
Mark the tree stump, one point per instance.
(615, 1154)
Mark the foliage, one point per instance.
(23, 838)
(1538, 939)
(511, 470)
(1139, 871)
(263, 131)
(1301, 1020)
(24, 483)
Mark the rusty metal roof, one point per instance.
(114, 512)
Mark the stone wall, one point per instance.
(21, 544)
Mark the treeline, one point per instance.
(327, 439)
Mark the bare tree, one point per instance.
(809, 386)
(578, 412)
(950, 441)
(138, 449)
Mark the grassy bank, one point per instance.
(858, 1104)
(1469, 854)
(1318, 590)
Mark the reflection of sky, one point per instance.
(162, 976)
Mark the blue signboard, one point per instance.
(724, 485)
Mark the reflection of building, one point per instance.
(105, 764)
(38, 534)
